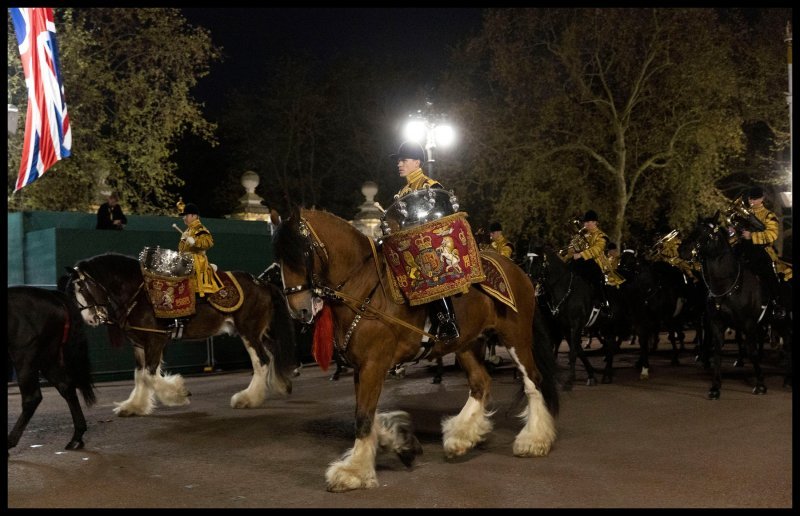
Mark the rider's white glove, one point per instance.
(190, 240)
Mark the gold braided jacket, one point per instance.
(770, 233)
(417, 180)
(502, 246)
(206, 281)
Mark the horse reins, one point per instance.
(359, 307)
(82, 277)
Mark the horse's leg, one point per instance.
(256, 393)
(575, 343)
(355, 469)
(169, 389)
(140, 402)
(28, 381)
(609, 342)
(437, 377)
(537, 436)
(460, 433)
(69, 393)
(717, 338)
(753, 340)
(644, 352)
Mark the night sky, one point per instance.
(254, 37)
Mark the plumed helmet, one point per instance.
(495, 226)
(410, 150)
(590, 215)
(190, 209)
(755, 193)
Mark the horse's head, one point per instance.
(708, 239)
(91, 297)
(302, 258)
(628, 263)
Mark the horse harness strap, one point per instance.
(557, 308)
(730, 289)
(359, 307)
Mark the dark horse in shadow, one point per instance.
(735, 300)
(572, 307)
(46, 336)
(328, 264)
(658, 297)
(109, 289)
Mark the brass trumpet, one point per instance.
(578, 242)
(659, 244)
(737, 213)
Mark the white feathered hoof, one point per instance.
(242, 400)
(531, 448)
(645, 374)
(342, 476)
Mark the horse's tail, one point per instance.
(76, 357)
(545, 361)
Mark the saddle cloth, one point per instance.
(173, 297)
(495, 283)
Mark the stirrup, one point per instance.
(447, 330)
(177, 328)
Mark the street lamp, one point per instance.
(430, 130)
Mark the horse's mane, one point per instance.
(289, 244)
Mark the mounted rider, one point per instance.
(665, 249)
(758, 251)
(196, 240)
(498, 241)
(410, 158)
(588, 251)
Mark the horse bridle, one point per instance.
(101, 311)
(540, 277)
(696, 252)
(314, 247)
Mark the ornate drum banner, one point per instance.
(434, 260)
(167, 281)
(170, 297)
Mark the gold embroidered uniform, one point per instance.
(767, 238)
(417, 180)
(502, 246)
(205, 279)
(597, 251)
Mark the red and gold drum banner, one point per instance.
(434, 260)
(170, 296)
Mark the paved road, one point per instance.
(630, 444)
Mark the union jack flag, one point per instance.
(48, 137)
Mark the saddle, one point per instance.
(174, 297)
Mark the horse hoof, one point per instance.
(591, 382)
(437, 379)
(760, 389)
(738, 363)
(74, 445)
(334, 377)
(407, 455)
(606, 379)
(713, 394)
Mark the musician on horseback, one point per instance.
(757, 250)
(197, 240)
(590, 252)
(665, 249)
(410, 158)
(498, 241)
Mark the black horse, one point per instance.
(46, 336)
(735, 300)
(658, 297)
(570, 308)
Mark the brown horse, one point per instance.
(326, 261)
(109, 290)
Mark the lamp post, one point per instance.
(430, 130)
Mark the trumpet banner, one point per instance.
(434, 260)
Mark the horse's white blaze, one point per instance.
(87, 314)
(140, 402)
(462, 432)
(255, 393)
(537, 436)
(356, 468)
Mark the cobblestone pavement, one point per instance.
(629, 444)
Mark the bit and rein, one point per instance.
(545, 267)
(335, 294)
(703, 266)
(84, 277)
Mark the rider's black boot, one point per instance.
(445, 317)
